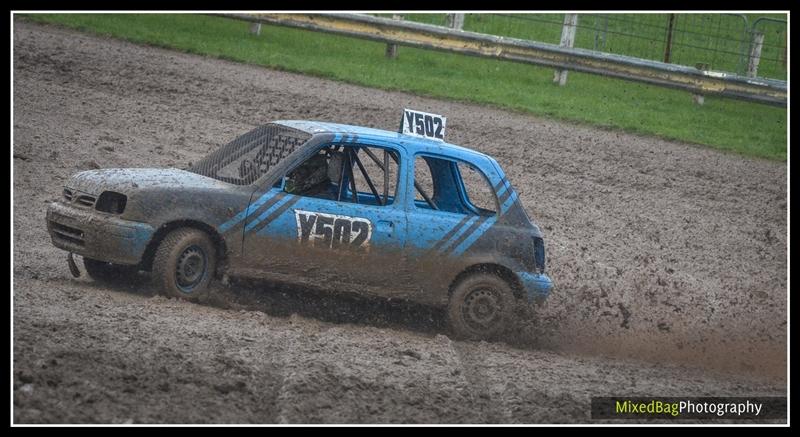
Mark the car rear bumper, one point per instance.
(96, 235)
(537, 286)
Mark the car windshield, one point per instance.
(250, 156)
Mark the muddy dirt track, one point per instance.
(669, 263)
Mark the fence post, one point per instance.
(455, 21)
(668, 47)
(567, 40)
(391, 49)
(784, 59)
(755, 54)
(699, 98)
(255, 28)
(600, 38)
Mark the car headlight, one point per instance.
(111, 202)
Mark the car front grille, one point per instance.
(85, 200)
(78, 198)
(67, 233)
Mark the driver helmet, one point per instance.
(311, 173)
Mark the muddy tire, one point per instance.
(184, 264)
(102, 271)
(481, 307)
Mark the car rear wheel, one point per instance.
(102, 271)
(184, 264)
(481, 307)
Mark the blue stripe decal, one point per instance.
(501, 183)
(466, 244)
(468, 233)
(509, 202)
(503, 200)
(501, 192)
(245, 212)
(446, 237)
(262, 228)
(498, 185)
(264, 214)
(465, 227)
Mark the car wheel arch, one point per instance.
(166, 228)
(500, 270)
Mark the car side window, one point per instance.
(452, 186)
(347, 173)
(478, 191)
(423, 182)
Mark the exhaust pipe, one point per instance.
(73, 268)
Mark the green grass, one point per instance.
(742, 127)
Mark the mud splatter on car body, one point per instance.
(238, 196)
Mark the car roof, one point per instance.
(418, 144)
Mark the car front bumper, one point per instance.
(536, 285)
(96, 235)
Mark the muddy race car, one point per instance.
(403, 215)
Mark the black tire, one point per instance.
(481, 307)
(184, 264)
(102, 271)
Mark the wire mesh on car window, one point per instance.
(250, 156)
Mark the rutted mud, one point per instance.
(669, 263)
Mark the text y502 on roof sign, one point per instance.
(423, 124)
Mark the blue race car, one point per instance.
(399, 215)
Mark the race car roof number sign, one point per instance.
(423, 124)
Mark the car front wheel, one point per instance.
(480, 307)
(184, 264)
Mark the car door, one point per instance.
(445, 224)
(334, 234)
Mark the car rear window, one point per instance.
(250, 156)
